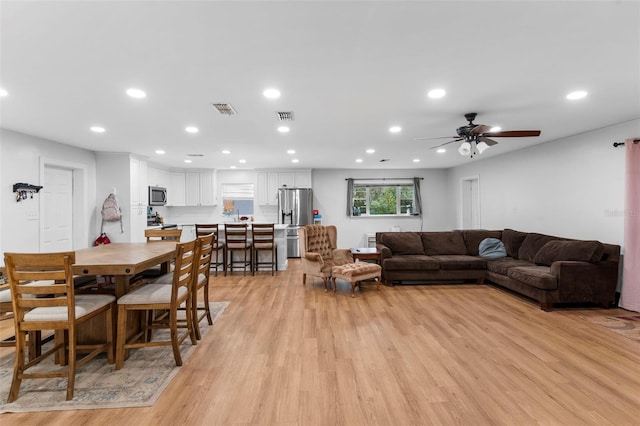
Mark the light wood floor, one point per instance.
(287, 354)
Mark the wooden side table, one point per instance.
(366, 253)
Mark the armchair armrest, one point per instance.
(342, 256)
(385, 252)
(313, 257)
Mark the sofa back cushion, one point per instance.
(446, 242)
(531, 244)
(585, 251)
(473, 237)
(512, 241)
(401, 243)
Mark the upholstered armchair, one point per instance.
(318, 252)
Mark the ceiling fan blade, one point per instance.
(437, 137)
(480, 129)
(446, 143)
(514, 134)
(489, 142)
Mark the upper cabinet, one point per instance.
(138, 182)
(158, 177)
(176, 190)
(199, 189)
(270, 181)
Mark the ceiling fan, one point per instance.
(479, 136)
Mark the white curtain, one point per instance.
(630, 293)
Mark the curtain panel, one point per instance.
(630, 292)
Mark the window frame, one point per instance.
(369, 184)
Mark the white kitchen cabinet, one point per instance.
(138, 182)
(267, 188)
(286, 179)
(199, 189)
(302, 179)
(176, 190)
(138, 223)
(158, 177)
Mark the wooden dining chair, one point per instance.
(263, 240)
(152, 297)
(219, 246)
(53, 307)
(237, 238)
(172, 234)
(202, 268)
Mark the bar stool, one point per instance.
(236, 237)
(218, 246)
(263, 240)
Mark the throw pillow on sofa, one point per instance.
(492, 248)
(584, 251)
(403, 243)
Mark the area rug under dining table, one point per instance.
(146, 373)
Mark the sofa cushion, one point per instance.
(453, 262)
(531, 244)
(411, 263)
(501, 266)
(585, 251)
(512, 241)
(401, 243)
(448, 242)
(472, 238)
(492, 248)
(534, 276)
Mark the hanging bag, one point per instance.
(111, 212)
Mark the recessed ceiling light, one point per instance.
(295, 160)
(371, 151)
(242, 161)
(395, 129)
(187, 161)
(436, 93)
(271, 93)
(358, 160)
(160, 151)
(98, 129)
(495, 129)
(441, 150)
(291, 151)
(283, 129)
(136, 93)
(226, 151)
(578, 94)
(232, 167)
(3, 92)
(416, 160)
(191, 129)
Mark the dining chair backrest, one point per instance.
(184, 268)
(236, 235)
(162, 234)
(262, 235)
(204, 255)
(32, 268)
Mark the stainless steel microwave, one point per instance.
(157, 196)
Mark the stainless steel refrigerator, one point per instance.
(295, 209)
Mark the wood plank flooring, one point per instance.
(287, 354)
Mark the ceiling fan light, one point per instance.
(481, 147)
(465, 148)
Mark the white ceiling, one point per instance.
(348, 71)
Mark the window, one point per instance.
(237, 199)
(382, 197)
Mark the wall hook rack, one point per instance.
(25, 190)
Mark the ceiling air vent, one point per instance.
(285, 115)
(195, 155)
(225, 109)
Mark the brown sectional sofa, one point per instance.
(543, 267)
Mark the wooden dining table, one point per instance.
(123, 261)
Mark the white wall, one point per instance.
(21, 159)
(330, 198)
(573, 187)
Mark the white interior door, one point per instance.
(57, 218)
(470, 191)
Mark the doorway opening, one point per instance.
(470, 202)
